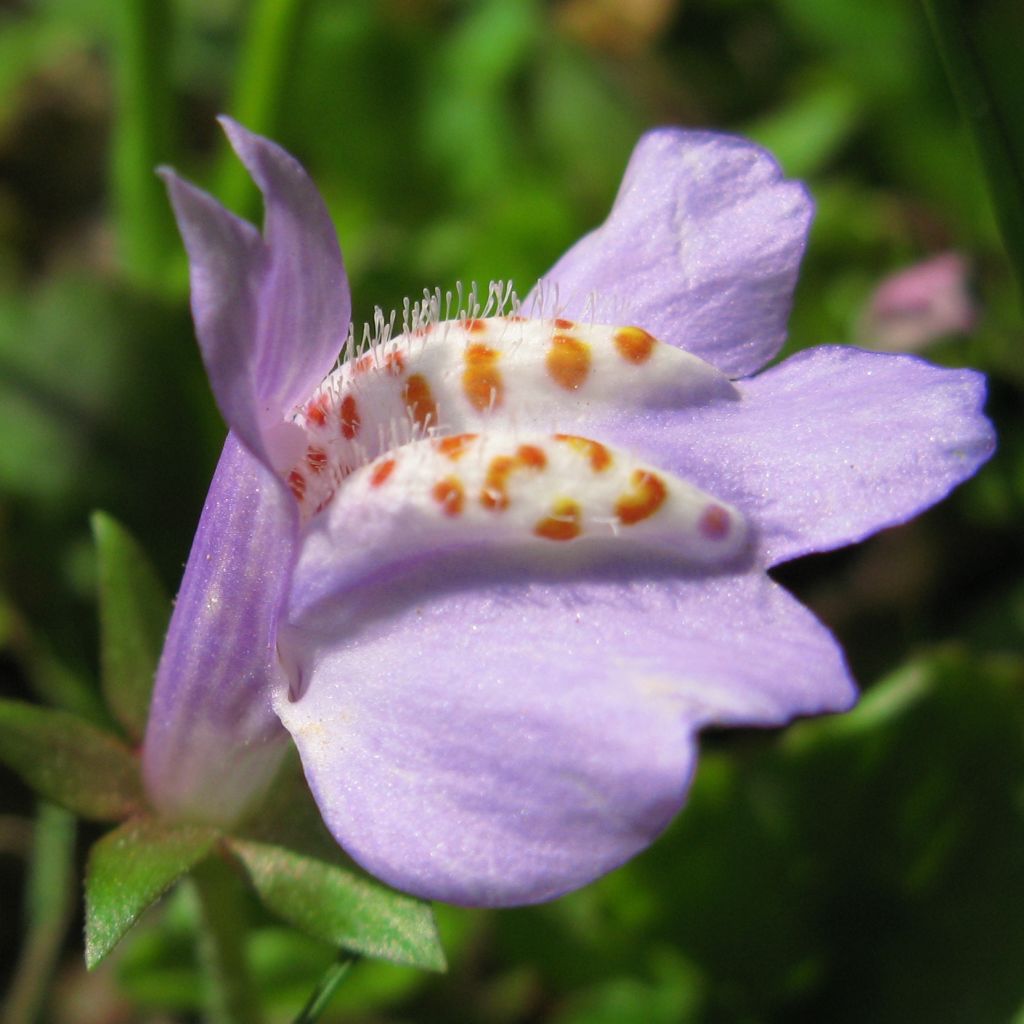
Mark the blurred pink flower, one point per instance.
(915, 307)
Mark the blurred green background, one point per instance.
(867, 868)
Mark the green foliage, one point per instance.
(134, 610)
(129, 869)
(865, 868)
(69, 761)
(339, 907)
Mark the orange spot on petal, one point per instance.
(395, 364)
(531, 457)
(635, 345)
(455, 445)
(495, 493)
(449, 494)
(599, 456)
(568, 361)
(562, 524)
(381, 472)
(363, 364)
(565, 325)
(349, 417)
(474, 326)
(495, 490)
(481, 380)
(648, 495)
(419, 400)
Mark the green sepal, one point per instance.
(129, 869)
(70, 762)
(339, 907)
(134, 611)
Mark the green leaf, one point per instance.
(69, 761)
(129, 869)
(339, 907)
(134, 610)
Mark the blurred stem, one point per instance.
(264, 66)
(50, 900)
(324, 992)
(977, 104)
(231, 998)
(142, 136)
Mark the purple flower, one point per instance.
(494, 575)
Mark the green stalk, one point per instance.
(324, 992)
(50, 901)
(264, 68)
(142, 137)
(230, 994)
(977, 105)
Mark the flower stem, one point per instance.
(231, 998)
(324, 992)
(50, 902)
(977, 105)
(265, 64)
(142, 133)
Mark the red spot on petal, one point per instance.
(599, 456)
(474, 326)
(381, 472)
(349, 415)
(715, 522)
(363, 364)
(568, 361)
(316, 459)
(419, 400)
(562, 524)
(481, 380)
(297, 484)
(648, 495)
(394, 364)
(635, 345)
(316, 411)
(565, 325)
(449, 494)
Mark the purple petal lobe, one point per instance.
(213, 740)
(496, 733)
(701, 248)
(305, 304)
(227, 263)
(830, 446)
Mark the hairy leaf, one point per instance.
(342, 908)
